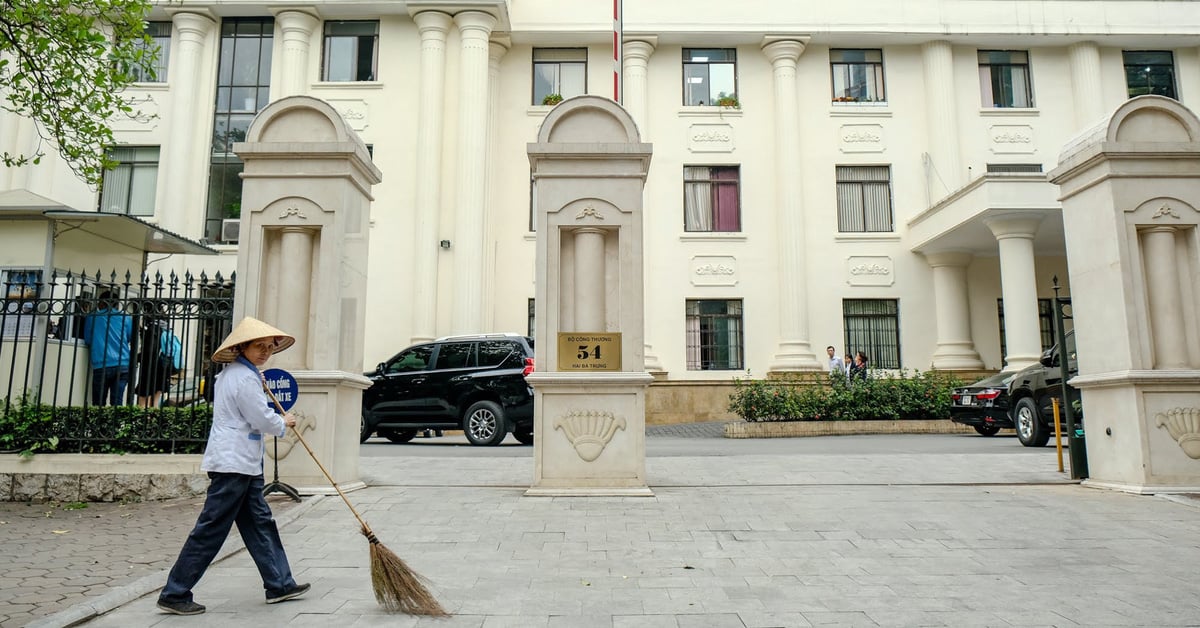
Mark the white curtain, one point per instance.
(697, 200)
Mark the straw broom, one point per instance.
(397, 587)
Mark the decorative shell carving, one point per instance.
(1184, 426)
(589, 431)
(304, 423)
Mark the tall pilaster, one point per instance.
(475, 28)
(180, 198)
(433, 27)
(1018, 287)
(1166, 304)
(794, 352)
(296, 26)
(296, 268)
(1085, 83)
(496, 50)
(955, 348)
(635, 90)
(944, 172)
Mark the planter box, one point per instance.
(788, 429)
(100, 477)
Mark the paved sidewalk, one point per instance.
(731, 541)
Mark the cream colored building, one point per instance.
(878, 186)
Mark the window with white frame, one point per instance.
(710, 199)
(351, 51)
(1149, 72)
(159, 47)
(1004, 79)
(714, 335)
(558, 74)
(873, 327)
(864, 199)
(709, 76)
(129, 188)
(857, 75)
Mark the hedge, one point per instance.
(825, 397)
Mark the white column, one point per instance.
(1085, 83)
(296, 274)
(433, 27)
(794, 352)
(635, 56)
(475, 28)
(944, 172)
(296, 26)
(496, 50)
(955, 348)
(180, 198)
(589, 280)
(634, 81)
(1018, 287)
(1166, 305)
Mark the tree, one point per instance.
(65, 64)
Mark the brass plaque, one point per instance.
(581, 351)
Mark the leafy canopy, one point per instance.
(65, 64)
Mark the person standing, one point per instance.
(858, 370)
(836, 365)
(234, 462)
(155, 364)
(108, 333)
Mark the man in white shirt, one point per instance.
(836, 364)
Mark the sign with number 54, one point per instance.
(579, 351)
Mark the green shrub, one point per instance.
(28, 427)
(822, 397)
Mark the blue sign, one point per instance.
(283, 386)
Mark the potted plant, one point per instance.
(728, 100)
(552, 99)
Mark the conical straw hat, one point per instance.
(248, 330)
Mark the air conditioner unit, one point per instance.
(229, 230)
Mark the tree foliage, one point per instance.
(65, 65)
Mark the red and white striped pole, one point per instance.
(618, 36)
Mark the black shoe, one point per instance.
(181, 608)
(290, 594)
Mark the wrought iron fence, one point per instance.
(71, 343)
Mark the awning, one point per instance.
(123, 229)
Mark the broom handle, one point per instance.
(337, 488)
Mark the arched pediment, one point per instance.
(588, 120)
(299, 119)
(1153, 119)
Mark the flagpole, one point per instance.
(618, 38)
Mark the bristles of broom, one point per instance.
(397, 587)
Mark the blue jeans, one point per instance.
(109, 383)
(232, 498)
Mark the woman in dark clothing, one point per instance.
(154, 368)
(858, 370)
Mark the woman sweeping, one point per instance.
(234, 462)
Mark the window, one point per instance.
(1004, 78)
(714, 335)
(130, 187)
(160, 47)
(456, 355)
(351, 51)
(532, 309)
(710, 198)
(709, 74)
(558, 71)
(1013, 168)
(1150, 72)
(864, 199)
(857, 75)
(414, 359)
(495, 352)
(1045, 325)
(243, 87)
(873, 327)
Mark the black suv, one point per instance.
(1031, 390)
(472, 383)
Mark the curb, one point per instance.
(92, 608)
(788, 429)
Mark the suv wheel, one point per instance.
(484, 423)
(398, 436)
(364, 428)
(987, 430)
(1031, 431)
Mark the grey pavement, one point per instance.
(889, 538)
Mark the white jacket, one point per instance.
(242, 414)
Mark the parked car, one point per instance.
(983, 405)
(472, 383)
(1032, 390)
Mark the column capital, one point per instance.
(476, 21)
(297, 19)
(784, 47)
(948, 258)
(498, 47)
(639, 49)
(433, 23)
(1024, 227)
(196, 23)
